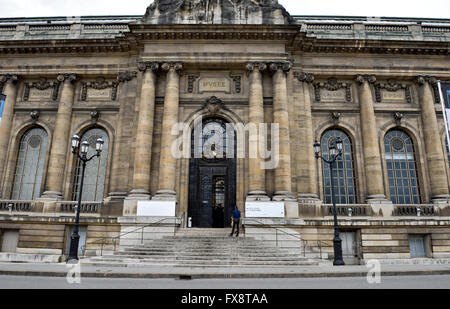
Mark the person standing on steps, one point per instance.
(236, 217)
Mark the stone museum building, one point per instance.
(206, 105)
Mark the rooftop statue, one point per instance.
(251, 12)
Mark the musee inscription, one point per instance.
(214, 84)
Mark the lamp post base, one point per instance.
(73, 253)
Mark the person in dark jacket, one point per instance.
(236, 217)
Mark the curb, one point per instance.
(187, 276)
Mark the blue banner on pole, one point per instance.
(2, 105)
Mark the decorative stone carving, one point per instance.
(99, 84)
(191, 81)
(336, 117)
(126, 76)
(42, 85)
(255, 66)
(214, 84)
(421, 80)
(266, 12)
(284, 66)
(304, 77)
(143, 66)
(333, 85)
(5, 78)
(213, 105)
(371, 79)
(177, 66)
(67, 77)
(237, 83)
(392, 86)
(34, 116)
(95, 115)
(398, 118)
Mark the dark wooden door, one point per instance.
(212, 192)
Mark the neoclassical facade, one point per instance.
(144, 83)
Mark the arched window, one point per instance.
(401, 168)
(30, 165)
(344, 176)
(95, 173)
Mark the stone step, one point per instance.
(217, 262)
(207, 255)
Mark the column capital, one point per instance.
(167, 66)
(304, 77)
(145, 65)
(421, 80)
(67, 77)
(285, 66)
(8, 78)
(126, 76)
(252, 66)
(366, 78)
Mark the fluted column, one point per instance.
(283, 190)
(61, 137)
(307, 181)
(257, 175)
(371, 149)
(433, 145)
(120, 163)
(168, 162)
(10, 90)
(144, 134)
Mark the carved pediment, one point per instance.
(252, 12)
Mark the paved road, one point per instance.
(404, 282)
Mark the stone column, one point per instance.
(307, 180)
(433, 145)
(168, 163)
(144, 133)
(281, 117)
(257, 181)
(371, 148)
(61, 139)
(120, 164)
(9, 83)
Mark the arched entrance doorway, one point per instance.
(212, 174)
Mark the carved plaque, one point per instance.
(37, 94)
(214, 84)
(329, 96)
(94, 94)
(393, 95)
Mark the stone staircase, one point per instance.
(201, 248)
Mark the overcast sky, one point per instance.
(396, 8)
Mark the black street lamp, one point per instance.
(81, 152)
(335, 152)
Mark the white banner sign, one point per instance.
(264, 209)
(156, 209)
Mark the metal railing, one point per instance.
(103, 241)
(304, 243)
